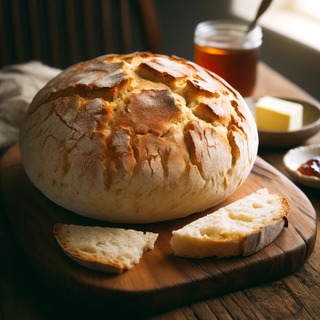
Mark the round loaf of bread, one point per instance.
(138, 138)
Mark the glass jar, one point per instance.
(226, 48)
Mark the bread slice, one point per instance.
(240, 228)
(106, 249)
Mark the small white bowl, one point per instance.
(294, 158)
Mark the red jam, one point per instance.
(311, 167)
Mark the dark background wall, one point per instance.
(178, 19)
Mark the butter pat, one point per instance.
(275, 114)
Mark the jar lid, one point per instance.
(227, 34)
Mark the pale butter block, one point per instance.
(275, 114)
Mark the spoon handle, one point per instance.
(262, 8)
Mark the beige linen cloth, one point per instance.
(18, 85)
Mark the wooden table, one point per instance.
(293, 297)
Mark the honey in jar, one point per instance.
(228, 50)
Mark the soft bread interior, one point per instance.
(106, 249)
(229, 231)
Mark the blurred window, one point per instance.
(296, 19)
(310, 8)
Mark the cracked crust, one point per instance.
(138, 138)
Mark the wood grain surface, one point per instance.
(160, 281)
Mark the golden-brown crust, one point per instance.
(138, 138)
(142, 116)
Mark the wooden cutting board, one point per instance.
(160, 281)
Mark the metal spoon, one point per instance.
(262, 8)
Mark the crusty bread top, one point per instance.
(106, 249)
(240, 228)
(138, 138)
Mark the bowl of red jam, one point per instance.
(303, 163)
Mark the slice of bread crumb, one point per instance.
(111, 250)
(240, 228)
